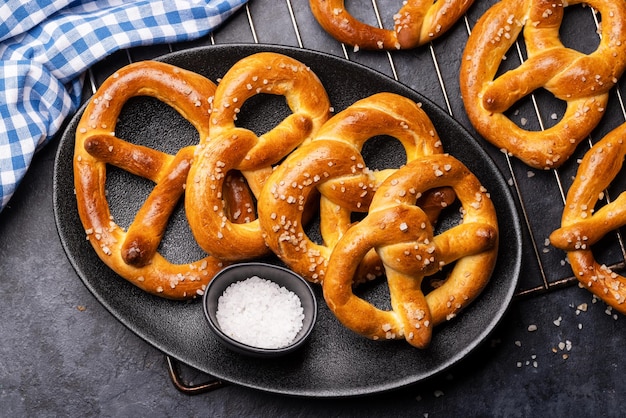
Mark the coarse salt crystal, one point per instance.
(260, 313)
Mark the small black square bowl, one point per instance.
(279, 275)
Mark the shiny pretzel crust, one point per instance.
(582, 225)
(415, 24)
(403, 237)
(332, 164)
(234, 148)
(580, 80)
(133, 253)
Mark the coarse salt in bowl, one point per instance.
(260, 309)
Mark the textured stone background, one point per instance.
(63, 354)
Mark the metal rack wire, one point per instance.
(432, 71)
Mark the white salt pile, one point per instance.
(260, 313)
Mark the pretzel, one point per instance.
(582, 225)
(415, 24)
(235, 148)
(400, 233)
(580, 80)
(332, 164)
(133, 253)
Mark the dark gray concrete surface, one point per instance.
(63, 354)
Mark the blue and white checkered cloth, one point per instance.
(46, 46)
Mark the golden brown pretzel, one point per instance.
(416, 23)
(403, 238)
(133, 253)
(583, 225)
(235, 148)
(581, 80)
(332, 164)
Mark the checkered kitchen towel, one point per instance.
(46, 45)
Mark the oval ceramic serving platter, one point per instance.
(335, 362)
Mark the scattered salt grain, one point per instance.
(260, 313)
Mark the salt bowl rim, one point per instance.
(277, 274)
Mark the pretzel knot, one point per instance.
(415, 24)
(580, 80)
(232, 148)
(582, 225)
(400, 233)
(333, 165)
(133, 253)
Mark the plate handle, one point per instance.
(194, 389)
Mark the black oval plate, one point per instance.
(335, 362)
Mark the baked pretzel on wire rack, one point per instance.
(580, 80)
(583, 224)
(333, 165)
(416, 23)
(402, 235)
(133, 253)
(231, 148)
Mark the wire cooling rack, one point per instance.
(433, 71)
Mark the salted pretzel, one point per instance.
(580, 80)
(403, 237)
(333, 165)
(235, 148)
(583, 224)
(133, 253)
(416, 23)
